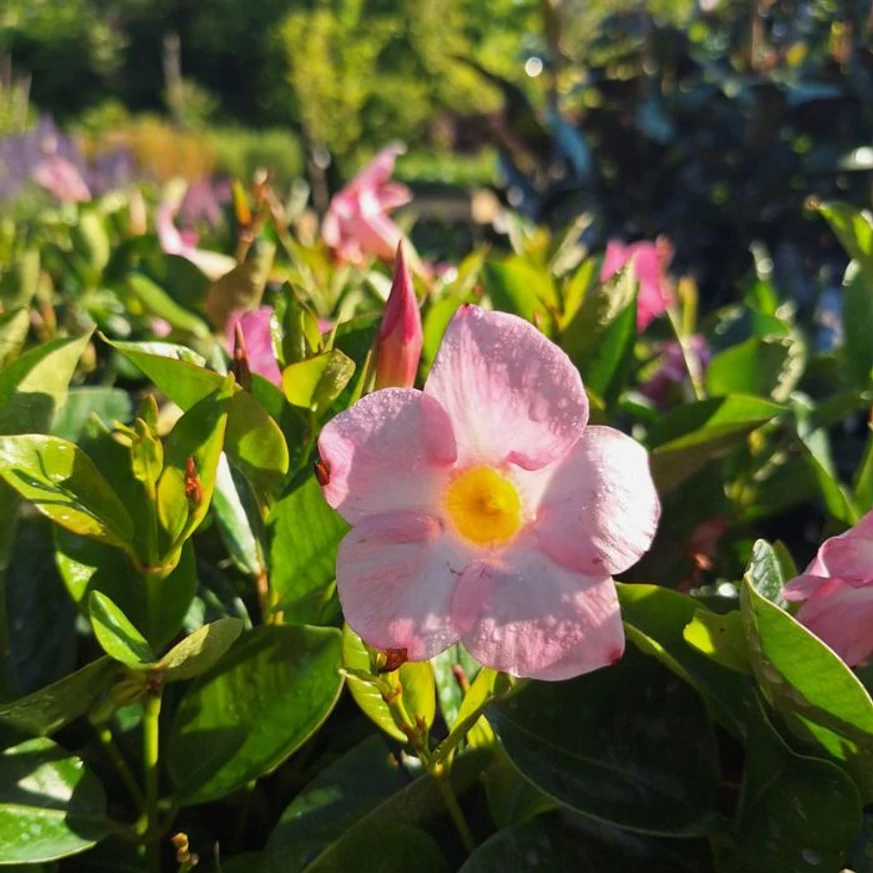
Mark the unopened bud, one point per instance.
(400, 336)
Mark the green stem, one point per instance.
(150, 735)
(441, 774)
(104, 734)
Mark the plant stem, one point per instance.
(441, 774)
(150, 735)
(104, 734)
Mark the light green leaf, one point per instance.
(160, 304)
(315, 383)
(719, 637)
(14, 327)
(198, 652)
(116, 634)
(766, 366)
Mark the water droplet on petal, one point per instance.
(539, 409)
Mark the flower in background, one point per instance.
(400, 335)
(485, 509)
(254, 327)
(837, 593)
(61, 179)
(673, 370)
(650, 261)
(357, 222)
(184, 243)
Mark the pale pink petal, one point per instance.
(614, 259)
(521, 613)
(841, 615)
(255, 326)
(511, 394)
(395, 578)
(390, 451)
(600, 510)
(376, 234)
(379, 170)
(62, 179)
(803, 587)
(168, 234)
(850, 555)
(330, 228)
(392, 195)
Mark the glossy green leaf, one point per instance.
(435, 322)
(835, 496)
(316, 382)
(511, 798)
(765, 573)
(691, 436)
(629, 744)
(14, 327)
(34, 386)
(45, 711)
(116, 634)
(553, 843)
(110, 404)
(470, 721)
(414, 679)
(450, 691)
(156, 603)
(857, 322)
(719, 637)
(809, 685)
(600, 338)
(161, 305)
(237, 520)
(262, 700)
(198, 652)
(63, 483)
(242, 287)
(305, 534)
(767, 366)
(517, 286)
(50, 805)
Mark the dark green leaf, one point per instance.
(50, 805)
(110, 404)
(768, 366)
(198, 652)
(116, 634)
(260, 702)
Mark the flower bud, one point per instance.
(400, 336)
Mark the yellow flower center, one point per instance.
(484, 506)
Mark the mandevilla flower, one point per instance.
(650, 261)
(837, 588)
(62, 179)
(485, 510)
(357, 222)
(400, 335)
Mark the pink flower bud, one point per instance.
(400, 336)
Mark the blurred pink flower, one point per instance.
(485, 510)
(255, 328)
(837, 588)
(400, 335)
(650, 262)
(61, 179)
(357, 222)
(184, 243)
(673, 370)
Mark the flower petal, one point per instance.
(803, 587)
(841, 615)
(388, 452)
(512, 396)
(850, 555)
(523, 614)
(395, 577)
(599, 513)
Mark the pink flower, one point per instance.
(837, 588)
(357, 222)
(650, 262)
(400, 335)
(214, 265)
(673, 370)
(255, 327)
(485, 510)
(61, 179)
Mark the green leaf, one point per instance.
(476, 728)
(237, 521)
(14, 327)
(91, 240)
(511, 798)
(20, 279)
(305, 534)
(781, 827)
(765, 573)
(110, 404)
(34, 386)
(63, 483)
(414, 679)
(50, 805)
(857, 323)
(316, 382)
(767, 366)
(253, 442)
(449, 690)
(262, 700)
(554, 844)
(116, 634)
(854, 231)
(821, 699)
(242, 287)
(515, 285)
(160, 304)
(198, 652)
(156, 603)
(863, 484)
(836, 497)
(435, 322)
(691, 436)
(720, 638)
(630, 744)
(48, 710)
(600, 338)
